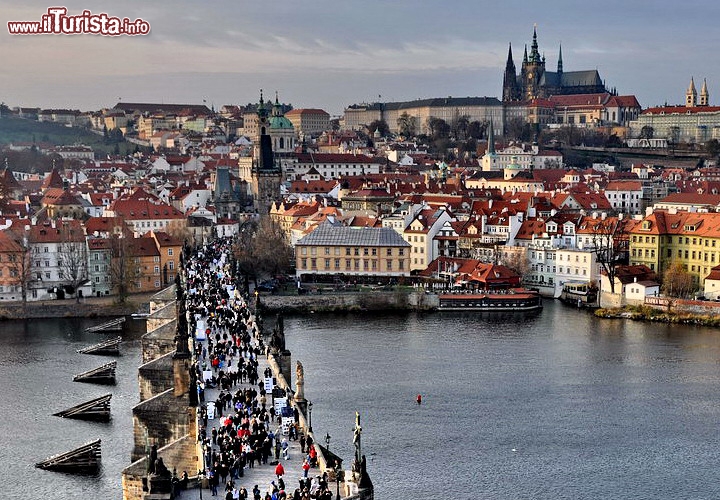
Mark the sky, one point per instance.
(330, 54)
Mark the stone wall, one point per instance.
(158, 341)
(363, 301)
(156, 376)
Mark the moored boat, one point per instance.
(514, 299)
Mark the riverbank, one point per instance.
(89, 307)
(647, 313)
(375, 300)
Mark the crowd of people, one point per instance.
(238, 429)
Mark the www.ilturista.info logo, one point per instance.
(57, 22)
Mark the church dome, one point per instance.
(280, 122)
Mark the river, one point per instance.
(556, 405)
(38, 360)
(552, 406)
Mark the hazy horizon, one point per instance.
(331, 54)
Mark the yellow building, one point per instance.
(354, 252)
(664, 238)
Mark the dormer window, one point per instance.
(689, 227)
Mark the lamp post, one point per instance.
(310, 416)
(200, 474)
(327, 441)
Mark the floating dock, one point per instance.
(82, 460)
(104, 374)
(109, 347)
(97, 410)
(114, 325)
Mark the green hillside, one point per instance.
(14, 130)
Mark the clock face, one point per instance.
(530, 76)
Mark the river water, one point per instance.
(553, 406)
(556, 405)
(38, 360)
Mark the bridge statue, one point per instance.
(299, 382)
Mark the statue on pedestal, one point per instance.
(299, 382)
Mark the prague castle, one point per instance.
(535, 82)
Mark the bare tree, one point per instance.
(74, 255)
(609, 241)
(19, 264)
(514, 258)
(677, 282)
(261, 248)
(407, 125)
(124, 271)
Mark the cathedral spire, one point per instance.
(534, 53)
(560, 65)
(525, 57)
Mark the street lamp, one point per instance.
(327, 441)
(310, 416)
(200, 474)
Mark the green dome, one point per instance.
(280, 122)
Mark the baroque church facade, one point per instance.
(534, 82)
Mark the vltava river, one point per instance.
(553, 406)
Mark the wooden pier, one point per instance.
(104, 374)
(110, 347)
(97, 410)
(114, 325)
(82, 460)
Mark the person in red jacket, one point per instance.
(279, 470)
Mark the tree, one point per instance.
(647, 132)
(515, 258)
(124, 272)
(19, 264)
(712, 148)
(609, 241)
(677, 282)
(518, 129)
(407, 125)
(460, 127)
(74, 263)
(380, 125)
(261, 248)
(476, 129)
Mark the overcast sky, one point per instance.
(333, 53)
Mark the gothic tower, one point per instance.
(533, 70)
(266, 175)
(704, 95)
(511, 89)
(691, 95)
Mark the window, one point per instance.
(171, 265)
(313, 263)
(374, 252)
(347, 251)
(156, 258)
(366, 252)
(401, 251)
(347, 264)
(337, 264)
(327, 250)
(401, 265)
(303, 251)
(357, 251)
(170, 252)
(389, 252)
(389, 264)
(156, 269)
(303, 263)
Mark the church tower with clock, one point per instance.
(266, 174)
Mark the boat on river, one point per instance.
(513, 299)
